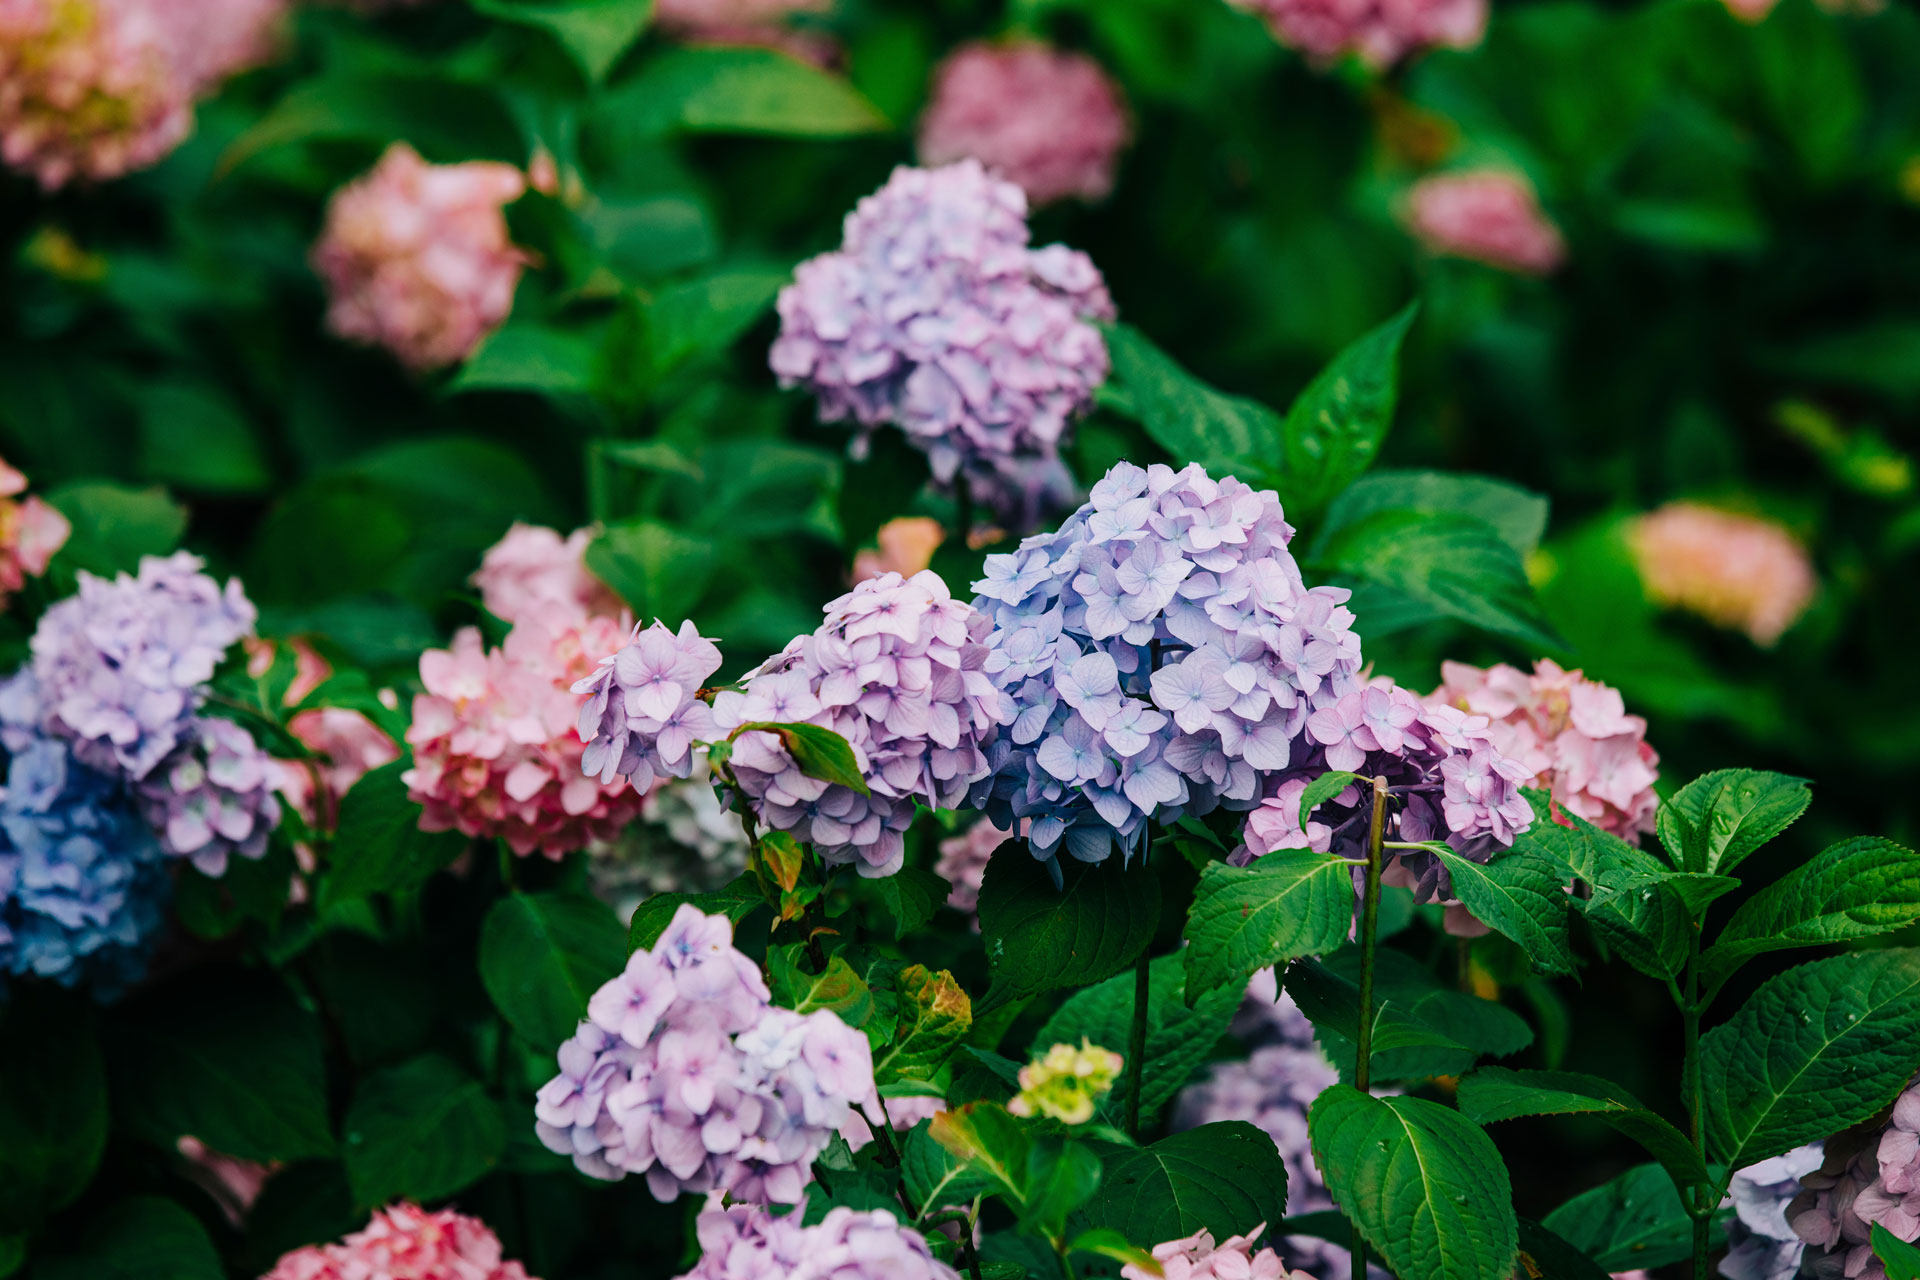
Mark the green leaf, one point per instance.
(741, 90)
(735, 901)
(1636, 1220)
(526, 356)
(1496, 1093)
(1223, 1177)
(660, 571)
(1810, 80)
(1040, 938)
(1583, 850)
(1457, 565)
(1902, 1259)
(935, 1177)
(1518, 515)
(988, 1142)
(1421, 1029)
(1179, 1038)
(935, 1017)
(1815, 1050)
(1648, 929)
(820, 752)
(1715, 821)
(1854, 889)
(379, 846)
(1550, 1257)
(1185, 416)
(140, 1238)
(193, 434)
(421, 1131)
(1324, 788)
(1521, 895)
(1109, 1243)
(593, 32)
(1422, 1182)
(53, 1104)
(708, 314)
(444, 118)
(113, 525)
(1061, 1176)
(543, 955)
(1290, 903)
(226, 1055)
(1334, 428)
(837, 987)
(910, 896)
(1695, 890)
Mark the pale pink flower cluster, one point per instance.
(1047, 120)
(757, 23)
(417, 257)
(495, 748)
(1378, 32)
(405, 1242)
(906, 546)
(31, 530)
(93, 89)
(1866, 1179)
(1196, 1257)
(1489, 216)
(1736, 571)
(1573, 733)
(535, 573)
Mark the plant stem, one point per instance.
(1137, 1042)
(1703, 1201)
(1369, 937)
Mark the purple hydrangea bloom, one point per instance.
(81, 881)
(684, 1072)
(1865, 1178)
(745, 1242)
(213, 796)
(936, 315)
(643, 714)
(1761, 1244)
(1163, 656)
(123, 664)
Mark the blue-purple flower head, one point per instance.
(643, 713)
(1163, 656)
(937, 316)
(213, 797)
(745, 1242)
(1761, 1244)
(122, 665)
(82, 889)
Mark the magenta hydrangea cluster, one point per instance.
(212, 797)
(684, 1072)
(1865, 1179)
(745, 1242)
(405, 1242)
(1378, 32)
(1761, 1244)
(1163, 656)
(936, 315)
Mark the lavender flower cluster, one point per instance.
(936, 315)
(1761, 1244)
(1864, 1179)
(1162, 654)
(745, 1242)
(686, 1073)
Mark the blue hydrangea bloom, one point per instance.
(82, 883)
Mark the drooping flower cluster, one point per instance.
(1064, 1083)
(1162, 654)
(535, 573)
(82, 884)
(405, 1242)
(1736, 571)
(686, 1073)
(906, 546)
(963, 864)
(1761, 1244)
(93, 89)
(1196, 1257)
(495, 748)
(1490, 216)
(1047, 120)
(745, 1242)
(685, 842)
(1864, 1179)
(31, 530)
(1573, 734)
(937, 316)
(1378, 32)
(417, 258)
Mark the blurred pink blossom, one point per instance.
(1736, 571)
(1573, 733)
(1049, 121)
(907, 544)
(405, 1242)
(1487, 215)
(495, 747)
(348, 744)
(233, 1183)
(31, 531)
(751, 23)
(963, 864)
(1378, 32)
(416, 256)
(535, 573)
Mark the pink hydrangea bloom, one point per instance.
(1378, 32)
(93, 89)
(907, 544)
(1573, 733)
(1736, 571)
(1865, 1179)
(416, 256)
(1047, 120)
(535, 573)
(495, 748)
(1487, 215)
(31, 531)
(405, 1242)
(1196, 1257)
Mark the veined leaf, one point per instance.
(1523, 896)
(543, 955)
(1290, 903)
(1334, 428)
(1209, 1177)
(1040, 938)
(1902, 1259)
(1186, 417)
(1324, 788)
(1636, 1220)
(1715, 821)
(1496, 1093)
(821, 753)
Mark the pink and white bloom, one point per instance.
(1741, 572)
(1490, 216)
